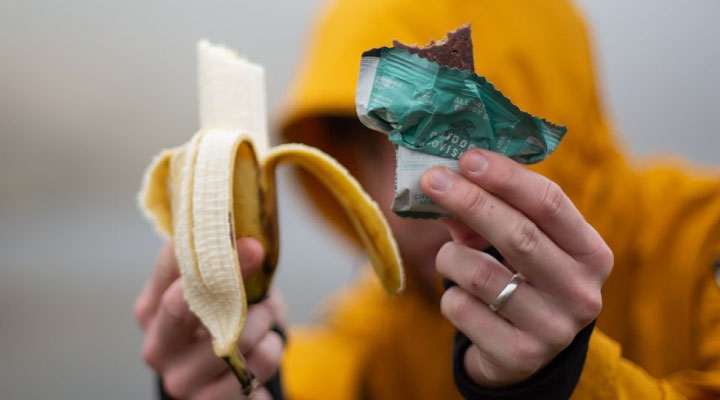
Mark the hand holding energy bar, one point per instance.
(441, 111)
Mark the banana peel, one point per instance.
(221, 185)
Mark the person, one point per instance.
(571, 328)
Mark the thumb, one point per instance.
(250, 255)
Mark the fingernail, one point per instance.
(475, 163)
(440, 180)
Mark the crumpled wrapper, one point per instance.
(433, 114)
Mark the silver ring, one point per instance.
(507, 291)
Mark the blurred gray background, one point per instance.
(90, 91)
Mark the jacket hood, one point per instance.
(536, 52)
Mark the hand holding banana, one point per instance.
(221, 186)
(179, 348)
(562, 260)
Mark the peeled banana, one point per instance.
(220, 186)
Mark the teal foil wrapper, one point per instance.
(443, 111)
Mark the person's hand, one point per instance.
(562, 260)
(179, 348)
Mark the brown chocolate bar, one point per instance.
(455, 50)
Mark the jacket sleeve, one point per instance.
(608, 375)
(672, 323)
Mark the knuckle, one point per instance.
(175, 384)
(593, 306)
(277, 305)
(561, 334)
(261, 394)
(174, 303)
(552, 200)
(605, 259)
(141, 310)
(599, 258)
(482, 276)
(474, 201)
(151, 354)
(510, 177)
(276, 350)
(587, 303)
(266, 359)
(524, 237)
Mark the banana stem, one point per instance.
(237, 365)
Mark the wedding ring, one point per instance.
(505, 294)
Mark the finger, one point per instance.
(193, 369)
(261, 394)
(172, 329)
(504, 348)
(264, 359)
(488, 371)
(484, 277)
(258, 323)
(164, 273)
(250, 255)
(517, 238)
(541, 199)
(463, 234)
(278, 308)
(225, 386)
(487, 330)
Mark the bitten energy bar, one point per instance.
(434, 113)
(455, 50)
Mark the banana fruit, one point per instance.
(220, 186)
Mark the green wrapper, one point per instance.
(435, 113)
(444, 111)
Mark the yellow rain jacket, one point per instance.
(658, 335)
